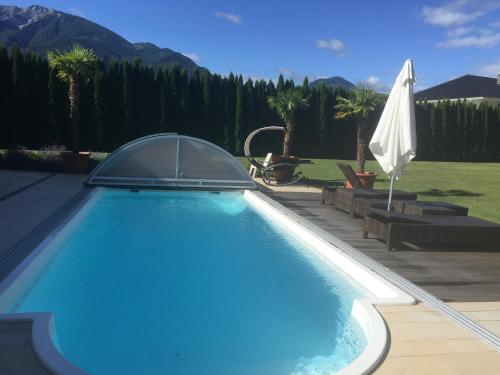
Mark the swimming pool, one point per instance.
(185, 282)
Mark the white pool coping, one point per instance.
(363, 310)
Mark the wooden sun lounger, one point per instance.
(432, 230)
(342, 199)
(361, 206)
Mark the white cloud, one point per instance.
(485, 39)
(458, 12)
(373, 80)
(490, 69)
(231, 17)
(76, 11)
(446, 16)
(454, 33)
(335, 45)
(191, 55)
(495, 25)
(377, 84)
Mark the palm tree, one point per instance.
(362, 101)
(73, 67)
(286, 104)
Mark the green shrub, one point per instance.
(48, 160)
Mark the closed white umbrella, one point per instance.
(394, 142)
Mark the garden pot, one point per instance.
(75, 162)
(285, 173)
(367, 180)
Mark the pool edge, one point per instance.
(363, 310)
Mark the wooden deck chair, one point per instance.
(253, 169)
(350, 176)
(432, 230)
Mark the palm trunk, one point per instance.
(74, 107)
(361, 149)
(289, 134)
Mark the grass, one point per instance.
(473, 185)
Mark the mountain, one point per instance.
(333, 82)
(39, 29)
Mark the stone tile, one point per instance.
(29, 371)
(475, 306)
(15, 338)
(416, 331)
(487, 363)
(414, 316)
(474, 363)
(14, 180)
(19, 327)
(485, 315)
(401, 308)
(434, 347)
(14, 357)
(416, 366)
(492, 325)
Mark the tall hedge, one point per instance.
(126, 100)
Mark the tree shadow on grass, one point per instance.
(448, 193)
(382, 180)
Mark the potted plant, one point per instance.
(362, 101)
(286, 104)
(73, 67)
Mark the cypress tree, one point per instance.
(128, 103)
(250, 108)
(240, 116)
(229, 107)
(459, 130)
(281, 84)
(18, 96)
(6, 122)
(103, 128)
(196, 101)
(184, 126)
(432, 121)
(162, 85)
(115, 101)
(443, 108)
(306, 90)
(324, 115)
(206, 130)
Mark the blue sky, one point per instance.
(359, 40)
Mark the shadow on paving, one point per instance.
(321, 183)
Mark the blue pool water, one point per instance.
(193, 283)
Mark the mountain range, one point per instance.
(39, 29)
(333, 82)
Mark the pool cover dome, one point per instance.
(170, 160)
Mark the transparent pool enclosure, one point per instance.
(169, 160)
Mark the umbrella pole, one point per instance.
(390, 193)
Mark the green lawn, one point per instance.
(474, 185)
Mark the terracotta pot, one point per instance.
(75, 162)
(286, 172)
(367, 180)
